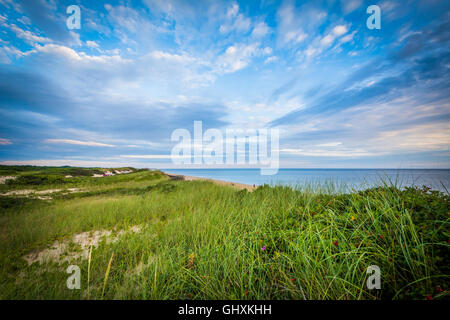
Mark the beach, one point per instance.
(239, 186)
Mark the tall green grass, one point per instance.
(203, 241)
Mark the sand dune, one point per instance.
(239, 186)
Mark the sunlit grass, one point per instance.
(199, 240)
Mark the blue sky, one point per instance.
(111, 93)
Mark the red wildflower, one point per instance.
(438, 288)
(336, 243)
(381, 237)
(246, 292)
(292, 279)
(429, 297)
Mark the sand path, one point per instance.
(239, 186)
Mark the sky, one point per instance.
(112, 92)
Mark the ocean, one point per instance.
(345, 179)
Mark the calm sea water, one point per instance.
(347, 179)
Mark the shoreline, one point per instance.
(239, 186)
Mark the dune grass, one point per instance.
(198, 240)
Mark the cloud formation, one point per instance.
(339, 92)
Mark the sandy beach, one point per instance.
(239, 186)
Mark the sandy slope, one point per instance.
(239, 186)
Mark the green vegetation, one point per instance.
(199, 240)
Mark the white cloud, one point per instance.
(311, 51)
(271, 59)
(330, 144)
(4, 58)
(232, 11)
(74, 56)
(348, 37)
(92, 44)
(61, 51)
(124, 17)
(25, 20)
(336, 32)
(296, 36)
(75, 41)
(5, 142)
(77, 142)
(28, 36)
(375, 130)
(291, 32)
(346, 153)
(155, 156)
(322, 43)
(327, 40)
(161, 55)
(339, 30)
(132, 26)
(260, 30)
(13, 51)
(267, 50)
(388, 6)
(417, 138)
(237, 57)
(191, 71)
(157, 67)
(294, 25)
(235, 21)
(13, 4)
(68, 162)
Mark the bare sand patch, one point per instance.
(123, 172)
(48, 191)
(26, 192)
(3, 179)
(18, 193)
(44, 198)
(76, 247)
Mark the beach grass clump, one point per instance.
(200, 240)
